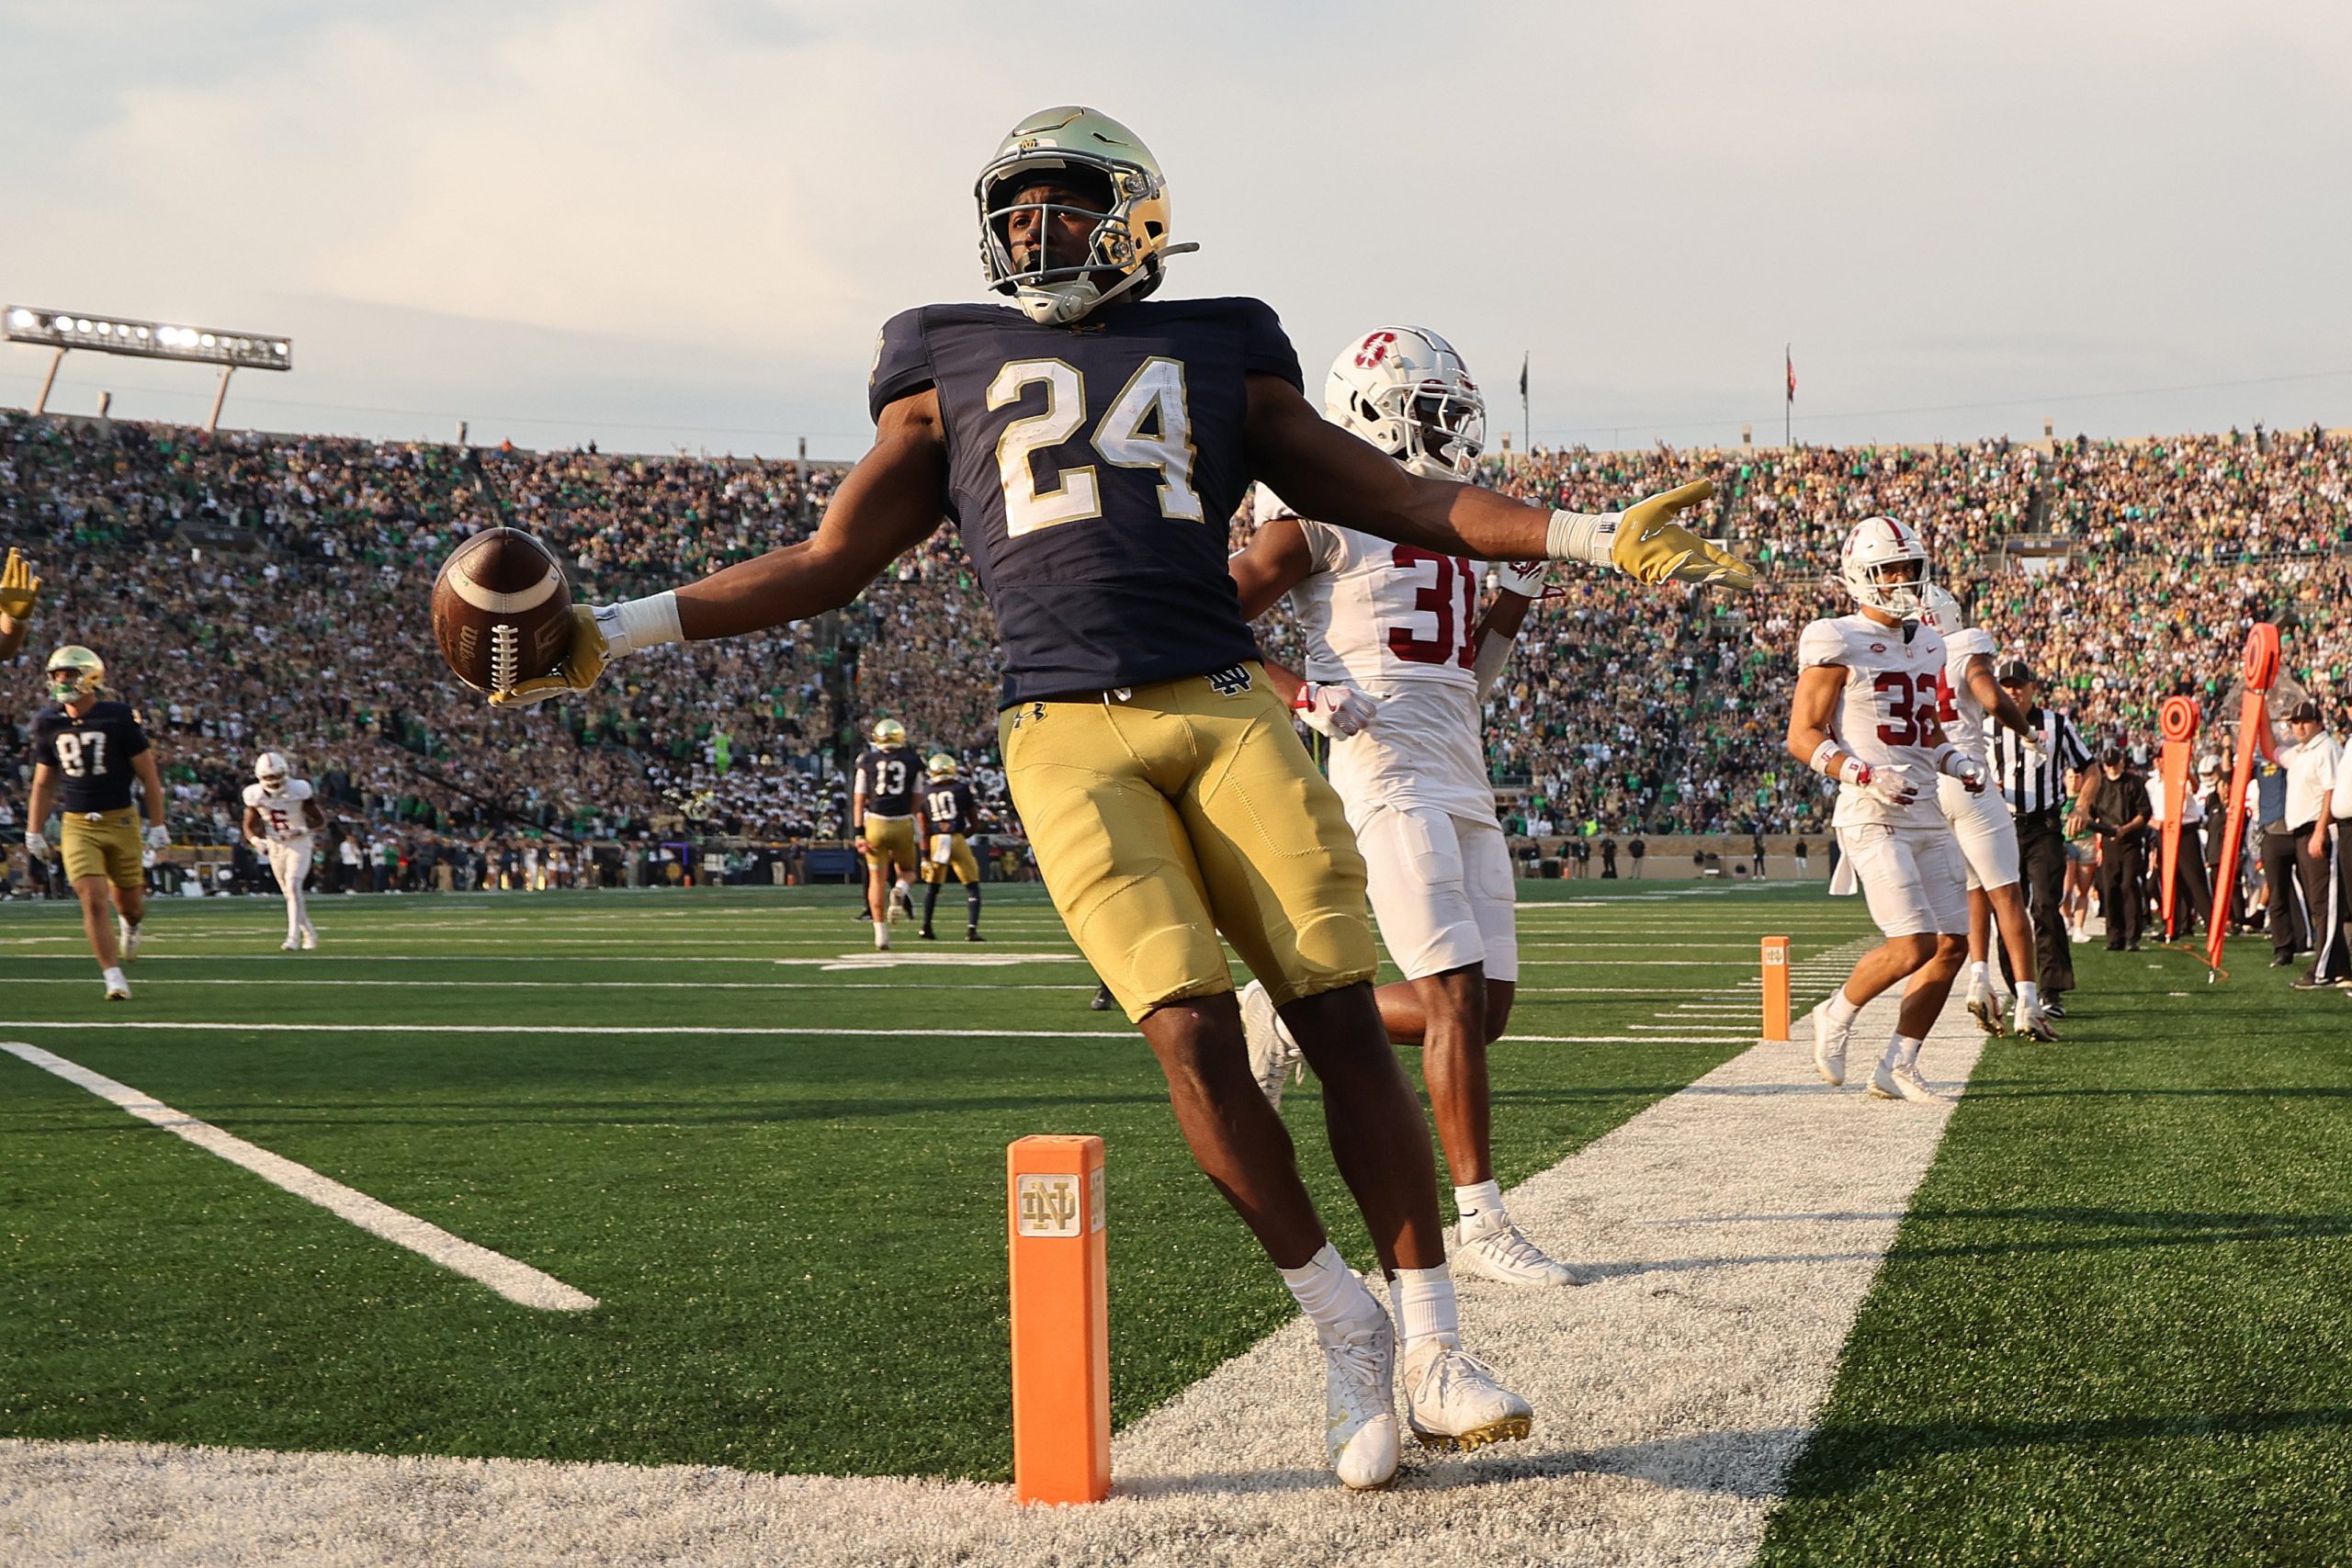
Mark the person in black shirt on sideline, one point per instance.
(2118, 815)
(88, 752)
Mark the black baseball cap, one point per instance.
(2304, 712)
(2016, 672)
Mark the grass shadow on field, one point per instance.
(1845, 1459)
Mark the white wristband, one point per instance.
(635, 623)
(1588, 537)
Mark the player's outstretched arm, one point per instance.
(1275, 561)
(890, 502)
(1329, 474)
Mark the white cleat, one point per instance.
(1829, 1047)
(126, 937)
(309, 940)
(1360, 1404)
(289, 945)
(1501, 1251)
(1902, 1082)
(1452, 1401)
(1272, 1057)
(118, 988)
(2033, 1023)
(1987, 1014)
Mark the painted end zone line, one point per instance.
(518, 1282)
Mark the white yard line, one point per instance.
(1735, 1228)
(690, 1032)
(518, 1282)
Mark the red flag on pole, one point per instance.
(1791, 360)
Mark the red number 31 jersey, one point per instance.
(1895, 696)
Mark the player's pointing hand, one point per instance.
(1652, 547)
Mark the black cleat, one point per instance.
(928, 934)
(1102, 1001)
(973, 934)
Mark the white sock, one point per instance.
(1481, 1201)
(1978, 979)
(1903, 1053)
(2029, 995)
(114, 976)
(1425, 1306)
(881, 927)
(1328, 1293)
(1841, 1011)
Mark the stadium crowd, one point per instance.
(252, 590)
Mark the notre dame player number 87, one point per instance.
(1153, 394)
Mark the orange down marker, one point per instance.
(1776, 987)
(1062, 1321)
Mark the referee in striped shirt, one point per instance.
(2035, 773)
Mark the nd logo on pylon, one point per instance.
(1048, 1205)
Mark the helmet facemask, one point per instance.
(1405, 390)
(1125, 219)
(74, 674)
(1898, 587)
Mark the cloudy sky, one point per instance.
(666, 223)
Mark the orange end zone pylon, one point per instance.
(1776, 987)
(1061, 1320)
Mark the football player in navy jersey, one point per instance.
(88, 751)
(1089, 444)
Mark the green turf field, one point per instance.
(796, 1237)
(2113, 1328)
(2117, 1325)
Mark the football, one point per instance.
(501, 610)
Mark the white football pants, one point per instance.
(290, 860)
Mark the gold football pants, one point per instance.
(1189, 809)
(960, 863)
(890, 843)
(103, 843)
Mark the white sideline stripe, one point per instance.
(1736, 1227)
(688, 1032)
(518, 1282)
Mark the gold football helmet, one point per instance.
(1129, 240)
(889, 732)
(74, 672)
(941, 765)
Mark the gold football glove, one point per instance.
(19, 589)
(1652, 547)
(582, 668)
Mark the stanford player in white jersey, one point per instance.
(1987, 833)
(1398, 665)
(281, 816)
(1871, 688)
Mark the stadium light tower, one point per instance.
(61, 331)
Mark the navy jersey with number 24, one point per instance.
(1093, 469)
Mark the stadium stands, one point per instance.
(256, 589)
